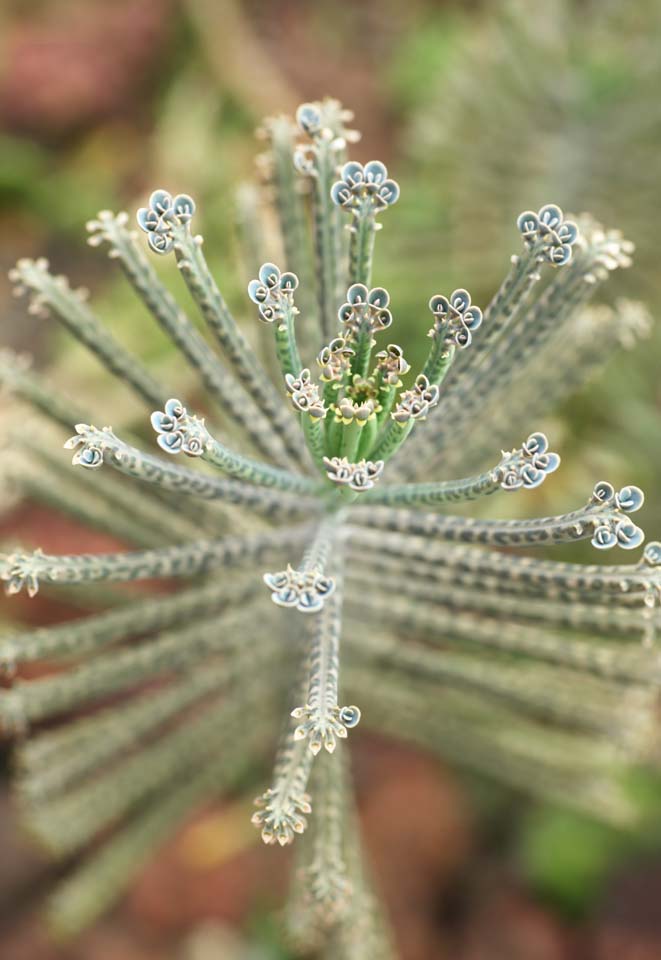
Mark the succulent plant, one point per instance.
(432, 623)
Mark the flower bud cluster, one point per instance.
(323, 732)
(365, 311)
(177, 432)
(391, 365)
(304, 394)
(303, 590)
(273, 292)
(528, 466)
(611, 527)
(365, 188)
(354, 411)
(162, 214)
(358, 476)
(454, 318)
(549, 232)
(89, 444)
(415, 404)
(334, 361)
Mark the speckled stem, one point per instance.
(361, 246)
(392, 437)
(326, 228)
(429, 494)
(204, 290)
(219, 381)
(565, 528)
(53, 295)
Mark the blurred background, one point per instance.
(481, 109)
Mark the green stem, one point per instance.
(391, 440)
(430, 494)
(171, 477)
(216, 378)
(55, 296)
(333, 435)
(92, 634)
(361, 360)
(439, 360)
(35, 390)
(185, 560)
(504, 306)
(349, 439)
(331, 393)
(313, 430)
(564, 528)
(367, 437)
(318, 553)
(286, 347)
(253, 471)
(361, 247)
(291, 214)
(326, 225)
(386, 394)
(204, 290)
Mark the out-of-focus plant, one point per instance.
(532, 101)
(526, 101)
(531, 671)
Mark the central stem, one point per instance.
(361, 247)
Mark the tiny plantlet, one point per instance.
(312, 509)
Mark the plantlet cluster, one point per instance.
(324, 490)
